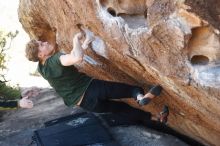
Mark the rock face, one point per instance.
(175, 43)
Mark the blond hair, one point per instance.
(32, 51)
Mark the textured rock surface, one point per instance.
(174, 43)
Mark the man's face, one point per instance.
(45, 49)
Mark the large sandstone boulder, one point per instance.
(174, 43)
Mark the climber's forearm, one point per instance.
(9, 104)
(77, 51)
(76, 55)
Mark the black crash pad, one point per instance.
(74, 130)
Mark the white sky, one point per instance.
(19, 68)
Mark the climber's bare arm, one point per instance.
(76, 55)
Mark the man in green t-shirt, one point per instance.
(77, 88)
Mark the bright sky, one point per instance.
(19, 68)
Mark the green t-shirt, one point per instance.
(66, 80)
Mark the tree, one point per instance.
(5, 44)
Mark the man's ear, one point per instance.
(40, 55)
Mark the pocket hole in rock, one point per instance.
(199, 60)
(111, 11)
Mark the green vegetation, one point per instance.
(6, 91)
